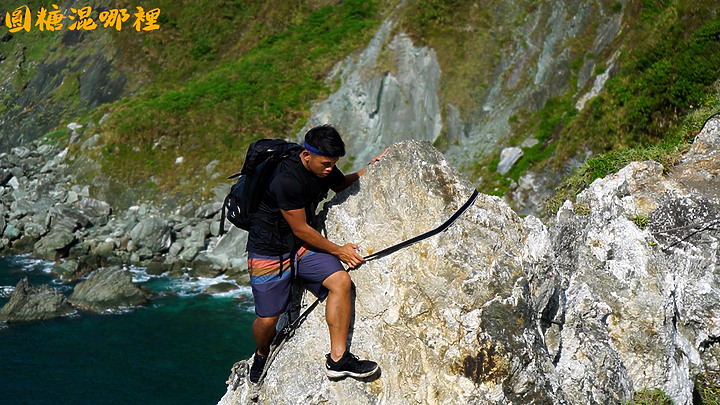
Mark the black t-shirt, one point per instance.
(291, 187)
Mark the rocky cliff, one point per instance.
(618, 295)
(396, 89)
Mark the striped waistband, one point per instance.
(264, 265)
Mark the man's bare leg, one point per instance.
(264, 331)
(337, 311)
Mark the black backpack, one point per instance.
(261, 159)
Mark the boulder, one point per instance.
(34, 229)
(220, 288)
(63, 217)
(66, 269)
(28, 303)
(153, 233)
(21, 152)
(52, 244)
(209, 210)
(11, 232)
(198, 235)
(229, 251)
(108, 288)
(97, 211)
(5, 176)
(23, 207)
(508, 157)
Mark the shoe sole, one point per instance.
(341, 374)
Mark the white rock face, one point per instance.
(620, 294)
(388, 93)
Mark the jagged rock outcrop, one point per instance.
(617, 296)
(108, 288)
(28, 303)
(380, 105)
(642, 274)
(394, 89)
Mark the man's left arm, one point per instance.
(352, 177)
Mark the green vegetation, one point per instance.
(25, 48)
(707, 389)
(650, 109)
(667, 68)
(264, 91)
(55, 137)
(650, 397)
(640, 220)
(546, 125)
(459, 31)
(667, 152)
(657, 84)
(218, 75)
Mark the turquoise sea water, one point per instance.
(179, 349)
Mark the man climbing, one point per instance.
(284, 223)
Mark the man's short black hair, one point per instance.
(327, 140)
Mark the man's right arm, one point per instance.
(347, 253)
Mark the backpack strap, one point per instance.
(222, 216)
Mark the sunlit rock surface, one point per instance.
(618, 295)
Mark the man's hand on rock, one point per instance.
(349, 255)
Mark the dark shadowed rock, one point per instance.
(52, 244)
(221, 288)
(29, 303)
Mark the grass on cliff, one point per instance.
(666, 86)
(667, 68)
(262, 87)
(706, 392)
(707, 389)
(668, 152)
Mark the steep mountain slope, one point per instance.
(165, 113)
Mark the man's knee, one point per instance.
(338, 282)
(266, 322)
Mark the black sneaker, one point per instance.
(257, 368)
(349, 366)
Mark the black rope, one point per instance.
(416, 239)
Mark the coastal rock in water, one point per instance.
(617, 296)
(108, 288)
(29, 303)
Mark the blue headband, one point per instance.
(315, 151)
